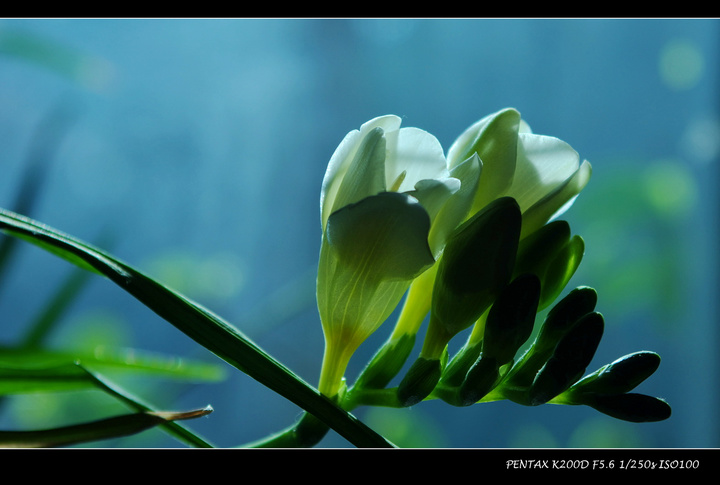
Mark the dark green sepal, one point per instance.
(476, 265)
(560, 270)
(552, 255)
(569, 360)
(386, 363)
(419, 382)
(537, 250)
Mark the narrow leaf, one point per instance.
(205, 328)
(123, 360)
(55, 378)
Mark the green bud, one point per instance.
(457, 368)
(511, 319)
(569, 360)
(620, 376)
(476, 265)
(419, 382)
(509, 324)
(559, 320)
(636, 408)
(480, 380)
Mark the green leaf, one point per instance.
(108, 428)
(108, 359)
(43, 378)
(201, 325)
(49, 377)
(65, 61)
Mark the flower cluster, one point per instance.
(471, 239)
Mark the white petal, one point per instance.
(495, 140)
(459, 150)
(556, 202)
(344, 154)
(419, 154)
(456, 209)
(335, 171)
(543, 164)
(388, 123)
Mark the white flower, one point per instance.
(542, 173)
(387, 203)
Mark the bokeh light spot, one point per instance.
(670, 188)
(681, 64)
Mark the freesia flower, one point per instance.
(542, 173)
(388, 201)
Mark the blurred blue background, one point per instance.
(200, 146)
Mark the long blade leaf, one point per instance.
(52, 378)
(123, 360)
(201, 325)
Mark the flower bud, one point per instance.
(620, 376)
(569, 360)
(558, 322)
(509, 324)
(636, 408)
(419, 382)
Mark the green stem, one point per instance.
(306, 433)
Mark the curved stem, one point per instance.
(334, 364)
(416, 306)
(306, 433)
